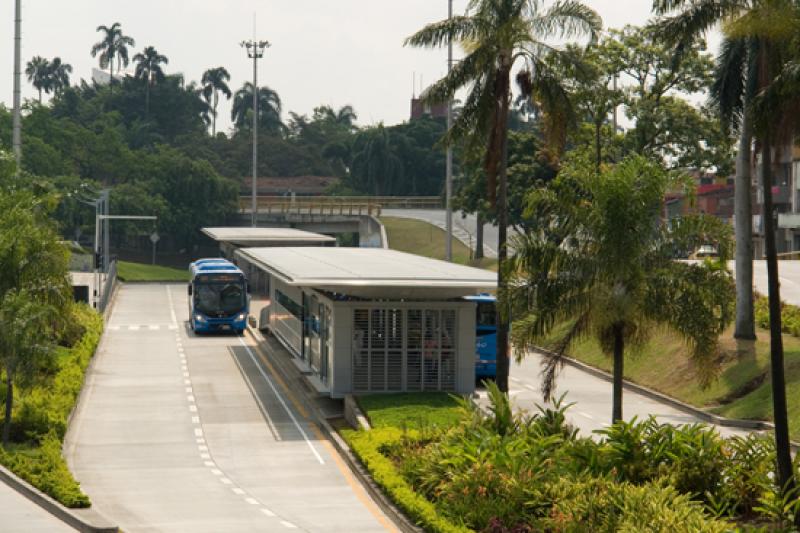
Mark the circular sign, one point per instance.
(154, 237)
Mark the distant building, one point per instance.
(101, 77)
(299, 185)
(420, 109)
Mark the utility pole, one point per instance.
(448, 182)
(255, 51)
(16, 140)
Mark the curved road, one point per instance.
(176, 432)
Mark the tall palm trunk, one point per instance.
(147, 98)
(619, 373)
(782, 446)
(745, 316)
(214, 115)
(9, 404)
(479, 237)
(503, 320)
(40, 95)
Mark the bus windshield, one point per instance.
(215, 298)
(486, 315)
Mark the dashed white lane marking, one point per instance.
(195, 420)
(209, 463)
(171, 308)
(190, 398)
(267, 511)
(133, 328)
(113, 328)
(193, 408)
(189, 389)
(216, 471)
(202, 447)
(288, 525)
(172, 326)
(238, 491)
(282, 402)
(226, 481)
(531, 387)
(515, 380)
(205, 456)
(251, 501)
(187, 382)
(153, 327)
(198, 432)
(587, 415)
(186, 374)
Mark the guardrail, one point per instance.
(314, 208)
(108, 287)
(386, 202)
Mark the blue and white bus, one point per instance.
(485, 336)
(218, 299)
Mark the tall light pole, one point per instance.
(16, 141)
(448, 182)
(255, 51)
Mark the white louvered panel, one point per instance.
(414, 350)
(430, 349)
(361, 340)
(447, 368)
(394, 350)
(378, 350)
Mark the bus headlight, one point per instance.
(200, 318)
(240, 317)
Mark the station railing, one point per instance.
(339, 204)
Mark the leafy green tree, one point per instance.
(602, 265)
(497, 34)
(59, 75)
(213, 83)
(148, 70)
(760, 34)
(38, 70)
(376, 166)
(34, 289)
(114, 44)
(269, 109)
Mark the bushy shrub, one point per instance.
(39, 420)
(45, 468)
(790, 316)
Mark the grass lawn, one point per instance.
(742, 389)
(127, 271)
(421, 238)
(416, 410)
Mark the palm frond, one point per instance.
(438, 34)
(566, 19)
(728, 91)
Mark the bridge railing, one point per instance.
(306, 206)
(316, 203)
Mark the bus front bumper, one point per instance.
(208, 325)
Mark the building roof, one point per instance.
(371, 272)
(266, 236)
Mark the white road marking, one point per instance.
(216, 472)
(195, 420)
(515, 380)
(198, 432)
(208, 463)
(270, 423)
(202, 447)
(282, 402)
(113, 328)
(187, 382)
(153, 327)
(184, 367)
(205, 456)
(200, 440)
(288, 525)
(186, 374)
(188, 389)
(133, 328)
(226, 481)
(587, 415)
(171, 308)
(531, 387)
(267, 511)
(193, 408)
(172, 326)
(238, 491)
(190, 398)
(251, 501)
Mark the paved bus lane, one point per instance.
(179, 432)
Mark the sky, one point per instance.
(347, 52)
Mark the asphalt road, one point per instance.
(591, 397)
(464, 230)
(183, 433)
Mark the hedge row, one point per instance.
(369, 447)
(790, 316)
(40, 417)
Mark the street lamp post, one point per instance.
(255, 51)
(16, 140)
(448, 186)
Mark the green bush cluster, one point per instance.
(790, 316)
(39, 420)
(503, 473)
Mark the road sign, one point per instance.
(154, 237)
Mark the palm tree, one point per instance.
(605, 268)
(214, 82)
(37, 71)
(59, 75)
(113, 45)
(148, 69)
(269, 109)
(344, 117)
(375, 162)
(497, 33)
(759, 32)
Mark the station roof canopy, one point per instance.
(371, 272)
(267, 236)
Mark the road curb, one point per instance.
(660, 397)
(53, 507)
(400, 520)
